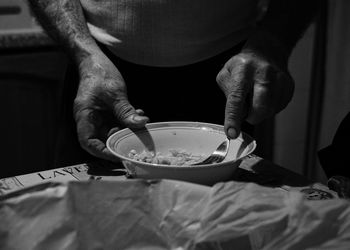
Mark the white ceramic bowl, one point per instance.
(195, 137)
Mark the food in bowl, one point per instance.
(175, 157)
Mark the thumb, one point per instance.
(236, 108)
(128, 116)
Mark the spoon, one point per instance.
(218, 155)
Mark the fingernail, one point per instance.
(137, 118)
(232, 133)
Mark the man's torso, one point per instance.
(169, 32)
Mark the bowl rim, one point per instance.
(189, 124)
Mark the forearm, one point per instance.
(284, 24)
(64, 21)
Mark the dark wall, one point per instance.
(30, 90)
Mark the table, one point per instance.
(252, 169)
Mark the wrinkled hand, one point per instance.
(256, 87)
(101, 106)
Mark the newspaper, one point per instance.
(71, 173)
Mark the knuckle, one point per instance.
(236, 97)
(266, 68)
(247, 58)
(244, 59)
(265, 73)
(78, 105)
(84, 102)
(223, 75)
(80, 101)
(238, 61)
(123, 110)
(82, 112)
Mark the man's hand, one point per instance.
(257, 85)
(256, 82)
(101, 106)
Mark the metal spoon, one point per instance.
(218, 155)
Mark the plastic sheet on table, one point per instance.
(140, 214)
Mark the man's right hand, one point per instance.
(101, 106)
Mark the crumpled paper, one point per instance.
(166, 214)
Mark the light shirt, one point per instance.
(169, 32)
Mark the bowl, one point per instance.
(194, 137)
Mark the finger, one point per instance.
(263, 99)
(239, 82)
(116, 129)
(128, 116)
(112, 131)
(262, 104)
(88, 135)
(98, 149)
(140, 112)
(272, 92)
